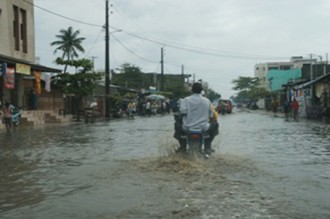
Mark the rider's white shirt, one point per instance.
(197, 111)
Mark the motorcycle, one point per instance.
(89, 115)
(195, 142)
(16, 115)
(193, 139)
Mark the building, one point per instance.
(305, 79)
(261, 70)
(298, 69)
(19, 71)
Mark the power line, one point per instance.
(95, 42)
(132, 51)
(175, 45)
(203, 50)
(62, 16)
(97, 3)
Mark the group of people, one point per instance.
(197, 112)
(153, 107)
(131, 109)
(287, 108)
(146, 107)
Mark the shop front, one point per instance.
(26, 85)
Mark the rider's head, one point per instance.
(197, 88)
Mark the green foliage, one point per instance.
(130, 96)
(130, 76)
(174, 87)
(81, 84)
(116, 99)
(248, 89)
(212, 95)
(85, 64)
(245, 83)
(258, 92)
(69, 43)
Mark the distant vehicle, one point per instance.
(225, 106)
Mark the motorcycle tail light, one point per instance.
(195, 136)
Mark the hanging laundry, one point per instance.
(37, 82)
(9, 78)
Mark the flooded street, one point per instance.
(263, 167)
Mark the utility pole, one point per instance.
(311, 72)
(107, 70)
(312, 87)
(162, 68)
(325, 65)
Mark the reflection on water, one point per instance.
(288, 161)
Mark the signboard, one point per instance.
(307, 93)
(23, 69)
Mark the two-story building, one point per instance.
(19, 71)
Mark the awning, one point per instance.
(41, 68)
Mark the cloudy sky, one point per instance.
(216, 40)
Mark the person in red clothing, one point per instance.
(295, 108)
(7, 114)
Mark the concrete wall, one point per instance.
(7, 40)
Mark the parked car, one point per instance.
(225, 106)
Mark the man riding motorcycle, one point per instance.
(195, 112)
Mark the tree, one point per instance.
(81, 84)
(130, 76)
(82, 65)
(212, 95)
(69, 43)
(245, 83)
(248, 89)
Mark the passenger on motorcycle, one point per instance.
(196, 112)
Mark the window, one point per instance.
(20, 29)
(285, 67)
(16, 27)
(24, 31)
(272, 68)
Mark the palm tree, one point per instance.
(68, 43)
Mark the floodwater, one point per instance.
(263, 167)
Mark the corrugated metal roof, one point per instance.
(308, 83)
